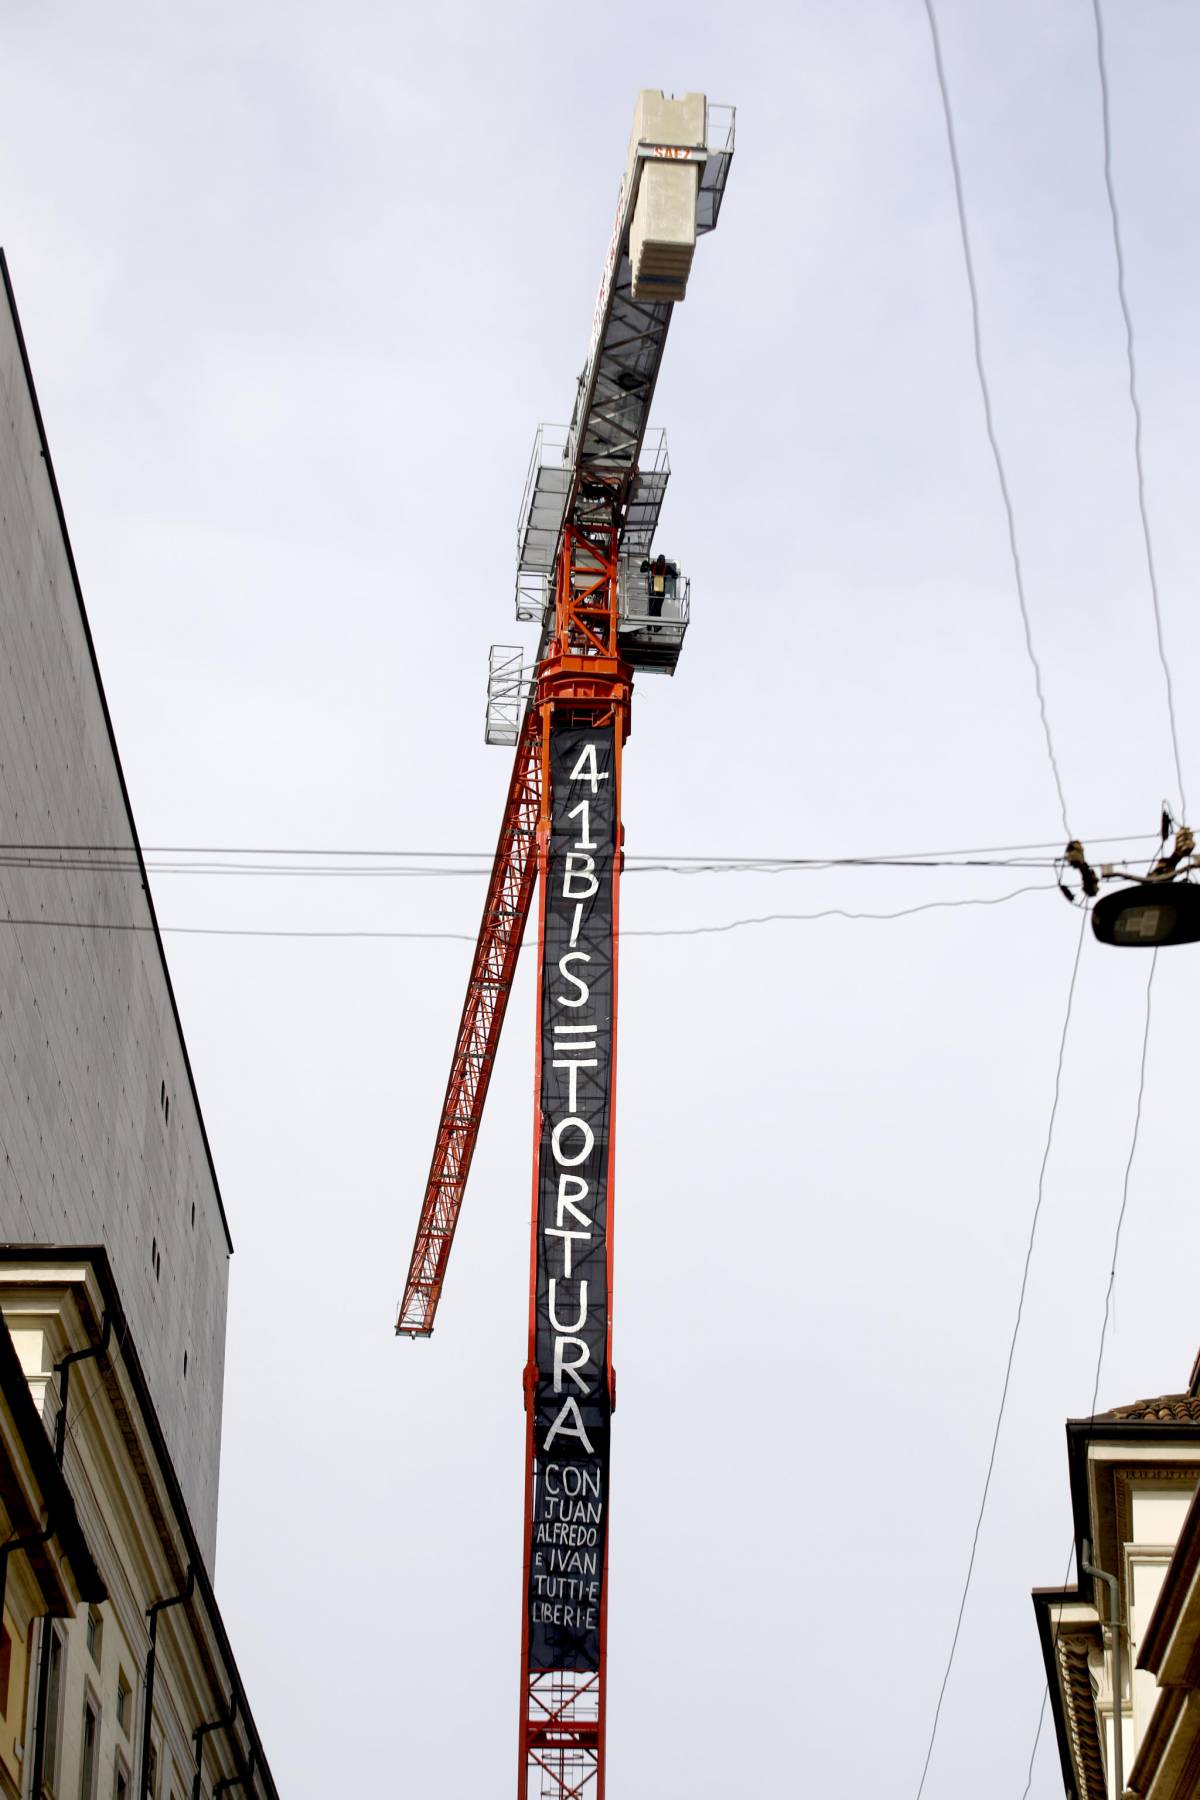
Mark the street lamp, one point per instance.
(1160, 910)
(1150, 915)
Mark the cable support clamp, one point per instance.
(1074, 858)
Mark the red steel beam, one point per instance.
(505, 911)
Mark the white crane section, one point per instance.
(607, 463)
(679, 158)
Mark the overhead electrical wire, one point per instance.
(149, 850)
(841, 912)
(469, 937)
(985, 393)
(1008, 1367)
(444, 871)
(479, 871)
(1134, 401)
(405, 863)
(1152, 575)
(1108, 1295)
(1050, 747)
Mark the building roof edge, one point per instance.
(60, 1503)
(1043, 1599)
(96, 1256)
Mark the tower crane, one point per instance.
(607, 606)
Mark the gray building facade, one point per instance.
(101, 1136)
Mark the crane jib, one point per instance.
(572, 1397)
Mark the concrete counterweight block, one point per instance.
(662, 236)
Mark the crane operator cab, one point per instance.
(654, 601)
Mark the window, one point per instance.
(124, 1693)
(89, 1749)
(5, 1665)
(95, 1633)
(120, 1780)
(152, 1772)
(54, 1696)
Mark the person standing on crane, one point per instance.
(660, 584)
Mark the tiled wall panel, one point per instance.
(88, 1038)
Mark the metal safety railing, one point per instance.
(543, 499)
(510, 683)
(636, 608)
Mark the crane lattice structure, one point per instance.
(607, 606)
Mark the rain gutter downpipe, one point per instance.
(1114, 1622)
(63, 1371)
(20, 1543)
(231, 1781)
(152, 1613)
(201, 1732)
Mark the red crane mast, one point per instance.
(607, 607)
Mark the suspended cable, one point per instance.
(1108, 1294)
(470, 937)
(840, 912)
(350, 871)
(985, 392)
(1008, 1367)
(122, 859)
(477, 871)
(1133, 1143)
(1123, 837)
(1134, 401)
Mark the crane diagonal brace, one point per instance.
(506, 909)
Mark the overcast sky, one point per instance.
(298, 285)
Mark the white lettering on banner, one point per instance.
(583, 842)
(576, 1618)
(573, 1064)
(573, 956)
(569, 1478)
(564, 1587)
(556, 1142)
(570, 1411)
(579, 867)
(553, 1310)
(563, 1367)
(579, 884)
(585, 769)
(572, 1512)
(568, 1238)
(572, 1562)
(570, 1535)
(570, 1189)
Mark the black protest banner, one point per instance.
(571, 1399)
